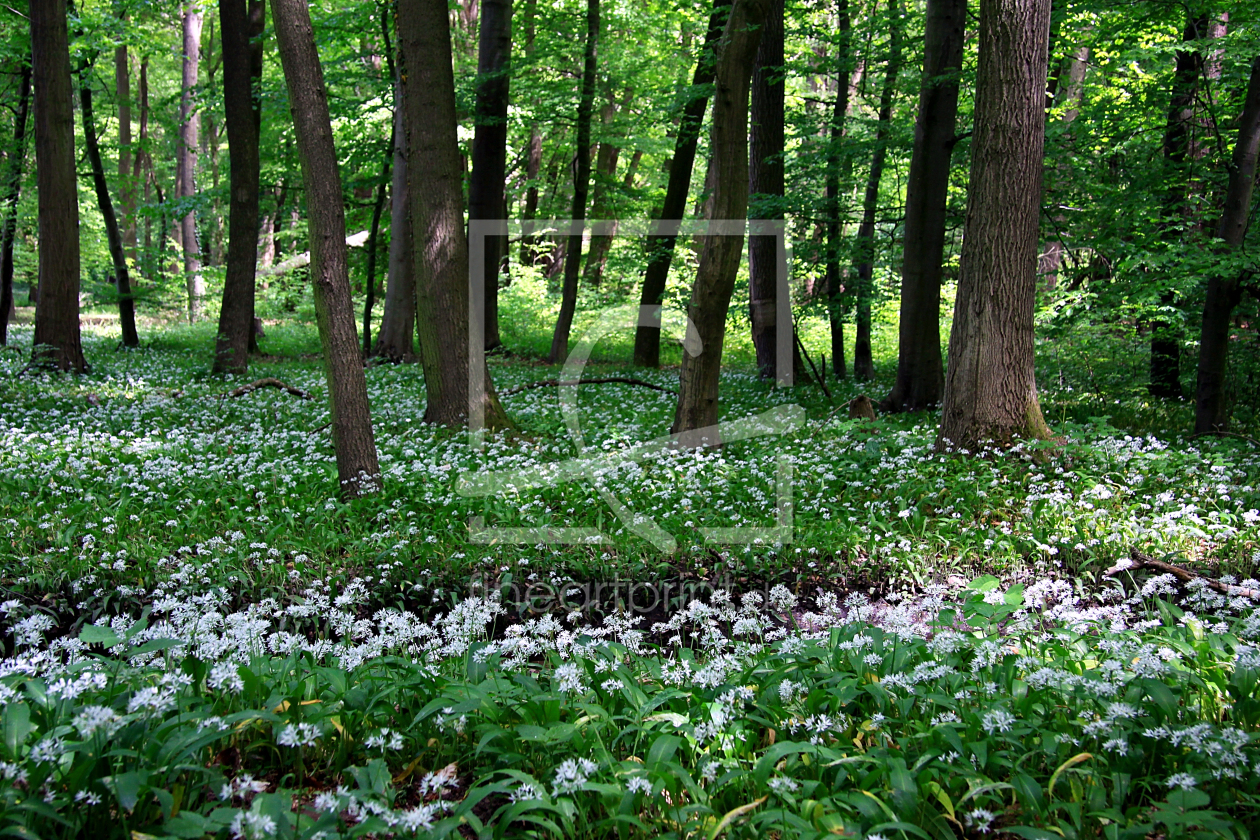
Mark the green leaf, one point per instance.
(153, 645)
(127, 787)
(91, 634)
(17, 726)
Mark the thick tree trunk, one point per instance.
(839, 113)
(581, 186)
(990, 387)
(765, 166)
(113, 235)
(57, 312)
(720, 255)
(863, 363)
(399, 318)
(489, 148)
(1166, 328)
(241, 23)
(660, 249)
(13, 192)
(1224, 292)
(920, 373)
(353, 443)
(126, 183)
(189, 121)
(437, 218)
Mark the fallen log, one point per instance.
(560, 383)
(267, 382)
(356, 240)
(1139, 561)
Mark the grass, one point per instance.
(201, 640)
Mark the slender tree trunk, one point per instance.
(489, 148)
(1067, 92)
(270, 249)
(533, 157)
(113, 235)
(660, 249)
(138, 167)
(1224, 291)
(603, 198)
(581, 184)
(990, 387)
(765, 167)
(863, 363)
(372, 243)
(920, 373)
(187, 156)
(720, 255)
(839, 113)
(1166, 328)
(357, 466)
(57, 312)
(435, 176)
(13, 192)
(242, 24)
(126, 183)
(399, 318)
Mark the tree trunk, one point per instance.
(660, 249)
(920, 373)
(117, 251)
(765, 167)
(720, 255)
(353, 443)
(581, 184)
(1067, 91)
(489, 149)
(603, 199)
(57, 312)
(435, 177)
(1166, 328)
(399, 318)
(839, 113)
(863, 363)
(241, 23)
(186, 152)
(13, 192)
(990, 387)
(372, 243)
(270, 248)
(1224, 291)
(533, 158)
(138, 166)
(126, 182)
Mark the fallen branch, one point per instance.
(1139, 561)
(558, 383)
(1218, 433)
(354, 240)
(818, 378)
(268, 382)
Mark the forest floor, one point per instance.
(827, 628)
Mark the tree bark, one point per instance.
(372, 244)
(839, 114)
(241, 24)
(57, 312)
(489, 148)
(863, 363)
(126, 182)
(533, 157)
(990, 386)
(189, 122)
(1166, 328)
(1224, 291)
(399, 318)
(353, 443)
(720, 255)
(660, 249)
(435, 176)
(765, 166)
(604, 194)
(581, 185)
(138, 166)
(113, 235)
(12, 193)
(1067, 91)
(920, 372)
